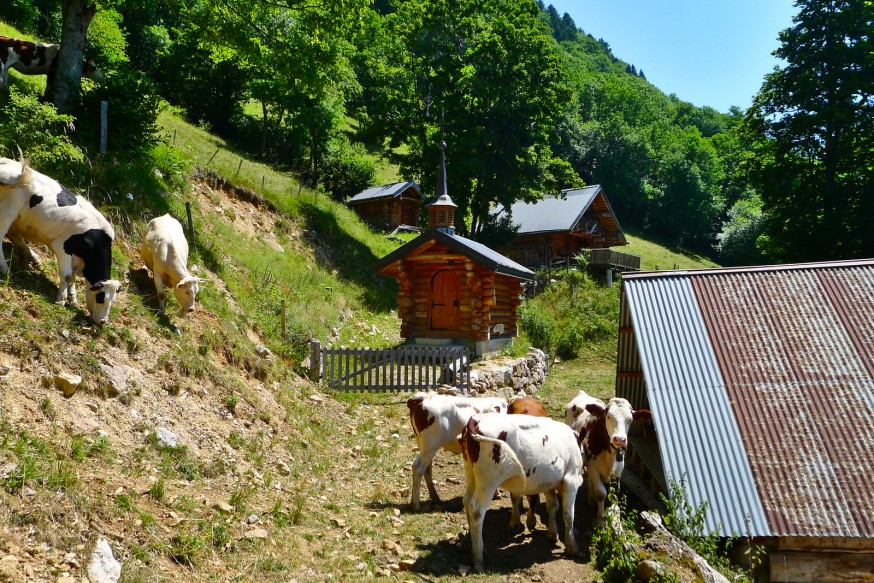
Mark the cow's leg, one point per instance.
(7, 217)
(597, 494)
(531, 518)
(568, 491)
(516, 510)
(551, 510)
(477, 506)
(25, 249)
(66, 290)
(162, 293)
(422, 467)
(429, 481)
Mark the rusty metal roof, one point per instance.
(761, 382)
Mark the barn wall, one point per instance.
(388, 213)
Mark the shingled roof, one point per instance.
(475, 251)
(385, 191)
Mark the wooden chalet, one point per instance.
(556, 228)
(453, 290)
(388, 206)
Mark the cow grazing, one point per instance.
(524, 455)
(35, 208)
(603, 430)
(164, 250)
(437, 421)
(525, 406)
(30, 58)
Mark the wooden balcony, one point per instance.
(610, 259)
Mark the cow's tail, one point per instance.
(504, 448)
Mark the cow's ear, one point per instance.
(596, 409)
(641, 415)
(97, 286)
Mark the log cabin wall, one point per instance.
(389, 212)
(485, 298)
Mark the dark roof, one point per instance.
(475, 251)
(553, 213)
(761, 383)
(384, 191)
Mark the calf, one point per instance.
(164, 250)
(35, 208)
(437, 421)
(524, 455)
(30, 58)
(603, 430)
(525, 406)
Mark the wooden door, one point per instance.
(444, 301)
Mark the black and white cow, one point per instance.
(30, 58)
(35, 208)
(603, 430)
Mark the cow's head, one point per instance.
(186, 292)
(99, 298)
(90, 70)
(618, 417)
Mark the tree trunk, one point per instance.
(264, 128)
(62, 85)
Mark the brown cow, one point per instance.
(525, 406)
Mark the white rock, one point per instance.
(165, 437)
(103, 567)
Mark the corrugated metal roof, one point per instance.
(476, 251)
(384, 191)
(552, 213)
(776, 360)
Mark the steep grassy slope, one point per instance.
(270, 479)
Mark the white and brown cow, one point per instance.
(30, 58)
(437, 421)
(525, 406)
(524, 455)
(35, 208)
(164, 250)
(603, 430)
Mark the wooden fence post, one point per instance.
(315, 360)
(190, 223)
(104, 117)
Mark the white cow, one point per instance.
(603, 430)
(524, 455)
(35, 208)
(437, 421)
(164, 250)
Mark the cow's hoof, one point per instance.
(531, 524)
(479, 568)
(515, 528)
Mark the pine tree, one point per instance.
(814, 125)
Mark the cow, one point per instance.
(524, 455)
(35, 208)
(603, 429)
(30, 58)
(437, 421)
(164, 250)
(525, 406)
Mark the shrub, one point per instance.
(38, 130)
(346, 168)
(539, 325)
(614, 551)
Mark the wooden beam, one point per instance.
(821, 567)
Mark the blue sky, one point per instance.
(708, 52)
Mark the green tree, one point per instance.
(490, 70)
(813, 122)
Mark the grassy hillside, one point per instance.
(271, 479)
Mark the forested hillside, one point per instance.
(527, 101)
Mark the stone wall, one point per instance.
(509, 376)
